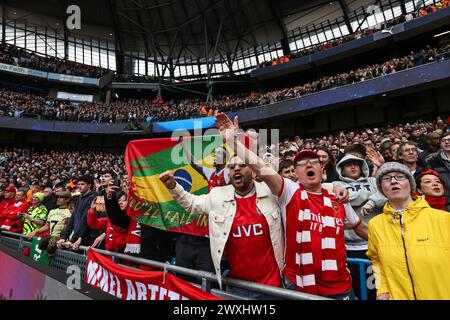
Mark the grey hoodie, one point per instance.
(361, 191)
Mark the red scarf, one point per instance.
(437, 202)
(306, 280)
(133, 238)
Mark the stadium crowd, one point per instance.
(73, 198)
(16, 104)
(10, 54)
(421, 12)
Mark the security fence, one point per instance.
(64, 258)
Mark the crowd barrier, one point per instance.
(64, 258)
(362, 265)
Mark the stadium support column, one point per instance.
(208, 74)
(345, 11)
(274, 8)
(210, 62)
(403, 7)
(3, 23)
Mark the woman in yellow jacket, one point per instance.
(409, 244)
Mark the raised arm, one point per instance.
(191, 159)
(191, 203)
(229, 132)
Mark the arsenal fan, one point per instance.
(56, 218)
(12, 222)
(7, 205)
(115, 236)
(314, 221)
(194, 251)
(244, 225)
(219, 176)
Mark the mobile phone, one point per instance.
(117, 182)
(100, 204)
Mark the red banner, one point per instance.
(129, 284)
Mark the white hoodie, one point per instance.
(361, 191)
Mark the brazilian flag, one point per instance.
(149, 200)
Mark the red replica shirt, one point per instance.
(345, 217)
(6, 206)
(12, 222)
(116, 237)
(249, 248)
(216, 179)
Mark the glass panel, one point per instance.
(203, 69)
(151, 69)
(103, 58)
(78, 53)
(95, 57)
(87, 53)
(112, 60)
(40, 44)
(51, 45)
(31, 38)
(71, 51)
(409, 6)
(60, 48)
(20, 38)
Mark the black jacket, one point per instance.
(78, 221)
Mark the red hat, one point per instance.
(305, 153)
(10, 189)
(425, 172)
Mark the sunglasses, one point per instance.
(234, 165)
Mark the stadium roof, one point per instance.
(177, 27)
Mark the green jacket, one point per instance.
(38, 213)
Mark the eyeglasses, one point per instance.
(397, 177)
(234, 165)
(446, 140)
(303, 163)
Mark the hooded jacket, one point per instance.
(361, 191)
(410, 252)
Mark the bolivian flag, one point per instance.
(149, 200)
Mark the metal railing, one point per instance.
(206, 277)
(362, 265)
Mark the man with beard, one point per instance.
(244, 225)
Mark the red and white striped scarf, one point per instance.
(306, 279)
(133, 238)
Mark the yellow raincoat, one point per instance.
(410, 252)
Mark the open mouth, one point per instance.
(396, 189)
(310, 173)
(238, 178)
(437, 190)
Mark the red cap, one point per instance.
(305, 153)
(10, 189)
(425, 172)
